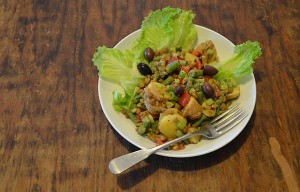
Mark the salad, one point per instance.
(172, 86)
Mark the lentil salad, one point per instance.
(179, 93)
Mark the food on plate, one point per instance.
(171, 84)
(180, 93)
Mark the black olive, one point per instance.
(144, 69)
(210, 70)
(208, 90)
(149, 54)
(179, 90)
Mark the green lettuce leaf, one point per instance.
(117, 66)
(240, 63)
(123, 103)
(169, 27)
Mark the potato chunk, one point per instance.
(157, 91)
(193, 109)
(234, 94)
(196, 138)
(190, 57)
(168, 124)
(155, 97)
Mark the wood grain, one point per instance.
(54, 135)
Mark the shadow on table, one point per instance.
(134, 175)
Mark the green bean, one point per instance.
(219, 101)
(175, 65)
(147, 121)
(199, 121)
(154, 126)
(178, 133)
(197, 86)
(200, 81)
(189, 83)
(195, 73)
(152, 67)
(218, 111)
(181, 125)
(172, 66)
(182, 74)
(170, 88)
(201, 97)
(141, 130)
(168, 81)
(173, 97)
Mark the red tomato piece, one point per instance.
(198, 63)
(196, 52)
(218, 92)
(174, 58)
(159, 142)
(186, 68)
(184, 99)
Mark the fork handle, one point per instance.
(120, 164)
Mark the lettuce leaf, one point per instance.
(240, 63)
(169, 27)
(117, 66)
(124, 103)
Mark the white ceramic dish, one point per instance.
(127, 129)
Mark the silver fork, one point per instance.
(211, 130)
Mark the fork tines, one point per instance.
(229, 119)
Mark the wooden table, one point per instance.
(54, 135)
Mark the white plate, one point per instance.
(127, 129)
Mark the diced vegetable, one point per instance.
(198, 63)
(168, 124)
(182, 74)
(195, 73)
(184, 99)
(193, 109)
(173, 66)
(168, 81)
(190, 57)
(172, 59)
(186, 68)
(194, 139)
(199, 121)
(141, 129)
(196, 52)
(234, 94)
(179, 133)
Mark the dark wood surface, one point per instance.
(55, 137)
